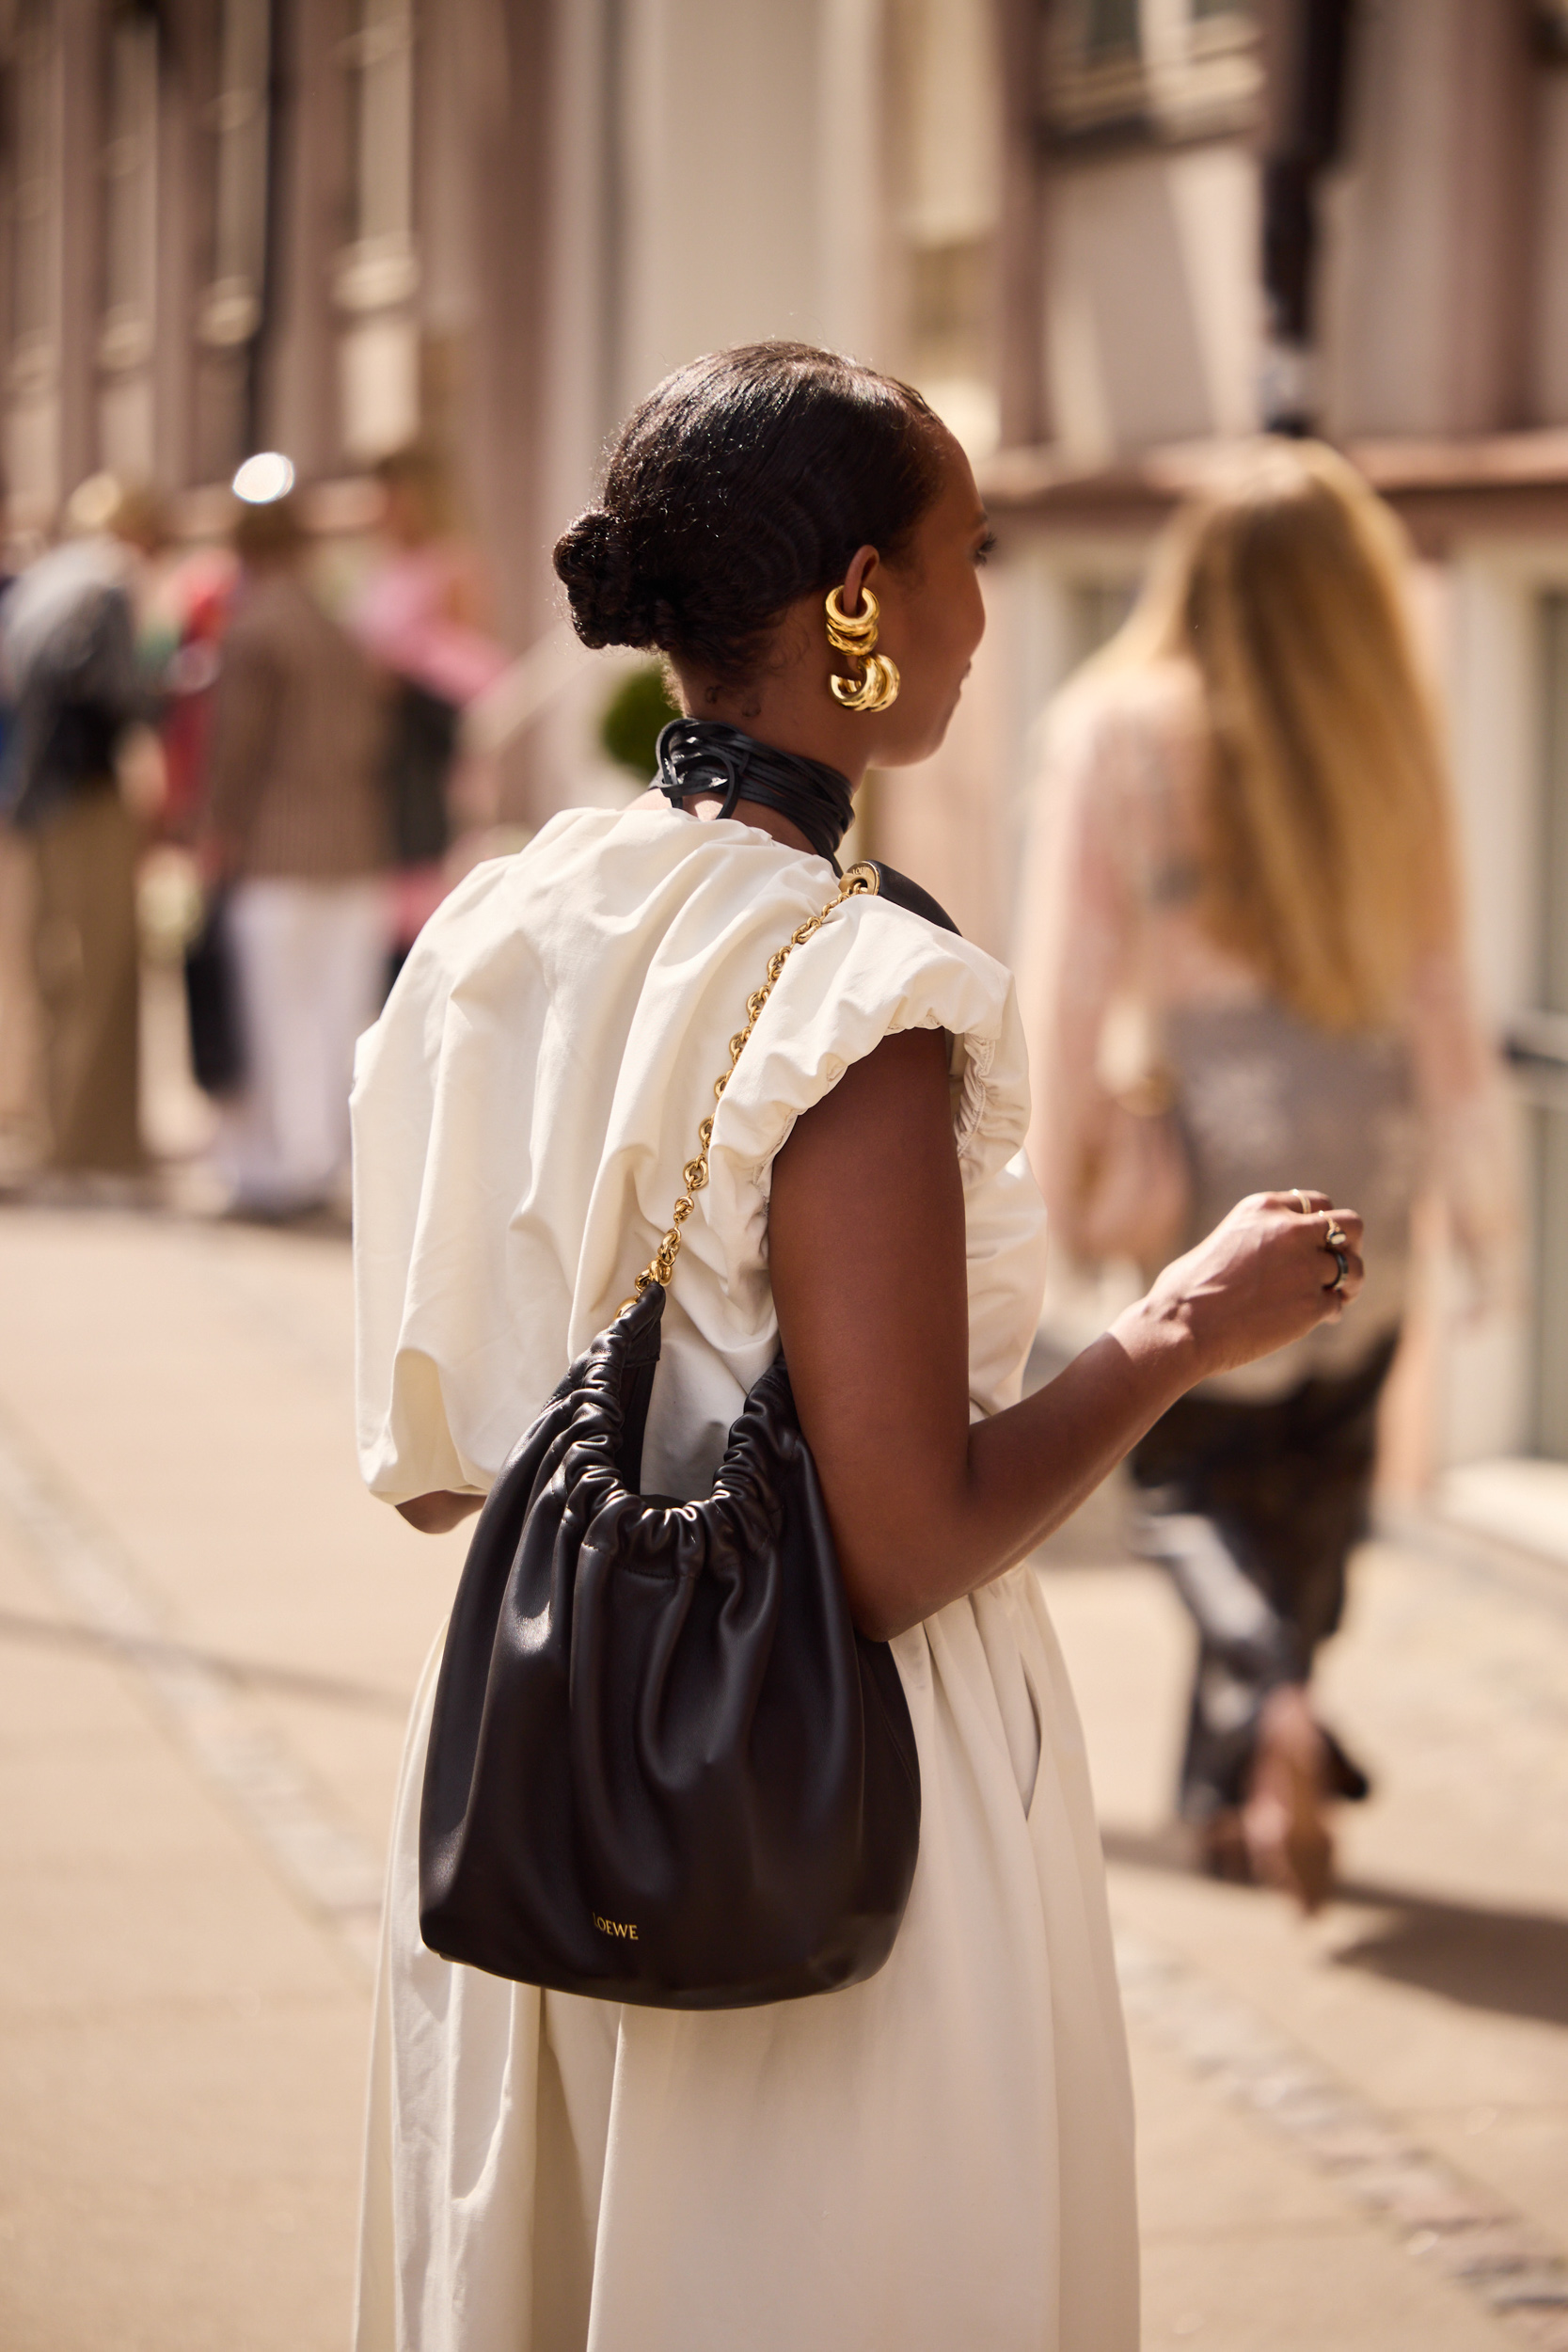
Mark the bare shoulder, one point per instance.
(878, 1101)
(867, 1185)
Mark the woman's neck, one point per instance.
(706, 805)
(789, 711)
(712, 767)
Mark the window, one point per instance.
(378, 272)
(130, 168)
(1110, 29)
(945, 105)
(230, 310)
(1163, 69)
(35, 220)
(1541, 1050)
(32, 376)
(378, 265)
(1095, 609)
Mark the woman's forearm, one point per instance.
(1023, 1473)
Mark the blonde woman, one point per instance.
(1241, 971)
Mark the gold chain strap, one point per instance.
(860, 882)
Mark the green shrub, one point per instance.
(633, 717)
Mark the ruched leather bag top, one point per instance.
(663, 1767)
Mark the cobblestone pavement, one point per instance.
(1353, 2134)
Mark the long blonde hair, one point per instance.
(1329, 857)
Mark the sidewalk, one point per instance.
(207, 1638)
(1354, 2130)
(1355, 2134)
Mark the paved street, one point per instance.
(1355, 2134)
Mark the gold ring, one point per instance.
(1336, 1238)
(1301, 1198)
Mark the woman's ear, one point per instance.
(863, 565)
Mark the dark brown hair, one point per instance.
(273, 533)
(743, 482)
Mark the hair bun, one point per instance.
(609, 605)
(741, 484)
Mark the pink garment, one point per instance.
(415, 893)
(401, 619)
(1116, 968)
(189, 612)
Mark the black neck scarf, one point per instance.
(705, 755)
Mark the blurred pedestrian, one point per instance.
(68, 630)
(295, 829)
(1242, 972)
(21, 1081)
(422, 615)
(186, 621)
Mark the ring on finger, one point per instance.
(1337, 1242)
(1299, 1198)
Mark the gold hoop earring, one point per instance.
(855, 637)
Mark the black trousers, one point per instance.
(1255, 1509)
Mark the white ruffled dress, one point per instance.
(940, 2157)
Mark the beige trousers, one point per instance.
(85, 958)
(22, 1113)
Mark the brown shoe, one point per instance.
(1287, 1837)
(1222, 1850)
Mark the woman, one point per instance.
(942, 2154)
(296, 826)
(1243, 888)
(420, 615)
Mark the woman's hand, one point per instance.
(1264, 1276)
(437, 1514)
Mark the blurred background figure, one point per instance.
(423, 615)
(21, 1138)
(184, 621)
(68, 636)
(296, 832)
(1244, 974)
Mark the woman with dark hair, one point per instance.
(941, 2154)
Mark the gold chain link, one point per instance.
(860, 882)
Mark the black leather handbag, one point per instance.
(663, 1766)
